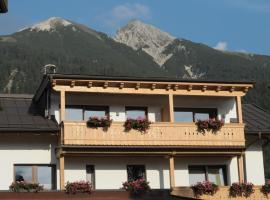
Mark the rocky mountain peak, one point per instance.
(50, 24)
(150, 39)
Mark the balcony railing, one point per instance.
(159, 134)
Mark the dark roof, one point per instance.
(256, 119)
(18, 113)
(49, 77)
(134, 78)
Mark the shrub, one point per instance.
(136, 187)
(205, 187)
(241, 189)
(213, 125)
(78, 187)
(95, 122)
(266, 188)
(140, 124)
(22, 186)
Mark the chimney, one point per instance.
(49, 69)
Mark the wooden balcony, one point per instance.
(159, 134)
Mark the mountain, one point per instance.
(137, 49)
(186, 59)
(73, 48)
(146, 37)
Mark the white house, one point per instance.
(45, 137)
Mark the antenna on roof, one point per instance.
(49, 69)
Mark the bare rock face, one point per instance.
(150, 39)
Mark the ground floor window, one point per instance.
(215, 174)
(136, 172)
(43, 174)
(90, 174)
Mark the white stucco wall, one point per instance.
(23, 149)
(254, 164)
(111, 172)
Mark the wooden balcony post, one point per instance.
(171, 108)
(240, 162)
(62, 172)
(172, 178)
(62, 105)
(239, 109)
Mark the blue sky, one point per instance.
(233, 25)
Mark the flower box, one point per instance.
(139, 186)
(213, 125)
(140, 124)
(204, 188)
(22, 186)
(78, 187)
(241, 189)
(95, 122)
(266, 188)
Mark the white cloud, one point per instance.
(122, 13)
(252, 5)
(222, 46)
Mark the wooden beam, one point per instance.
(105, 84)
(239, 109)
(72, 83)
(171, 108)
(137, 86)
(175, 87)
(240, 162)
(89, 85)
(62, 172)
(147, 91)
(172, 174)
(153, 86)
(121, 86)
(204, 88)
(62, 105)
(168, 87)
(189, 88)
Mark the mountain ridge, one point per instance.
(138, 49)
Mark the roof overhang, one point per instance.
(154, 86)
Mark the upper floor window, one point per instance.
(194, 114)
(79, 113)
(136, 112)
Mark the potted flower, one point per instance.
(241, 189)
(23, 186)
(140, 124)
(95, 122)
(204, 188)
(213, 125)
(78, 187)
(137, 187)
(266, 188)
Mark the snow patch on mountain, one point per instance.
(49, 25)
(190, 74)
(139, 35)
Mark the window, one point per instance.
(136, 172)
(136, 112)
(95, 111)
(90, 174)
(73, 113)
(215, 174)
(194, 114)
(43, 174)
(79, 113)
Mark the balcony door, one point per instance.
(90, 174)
